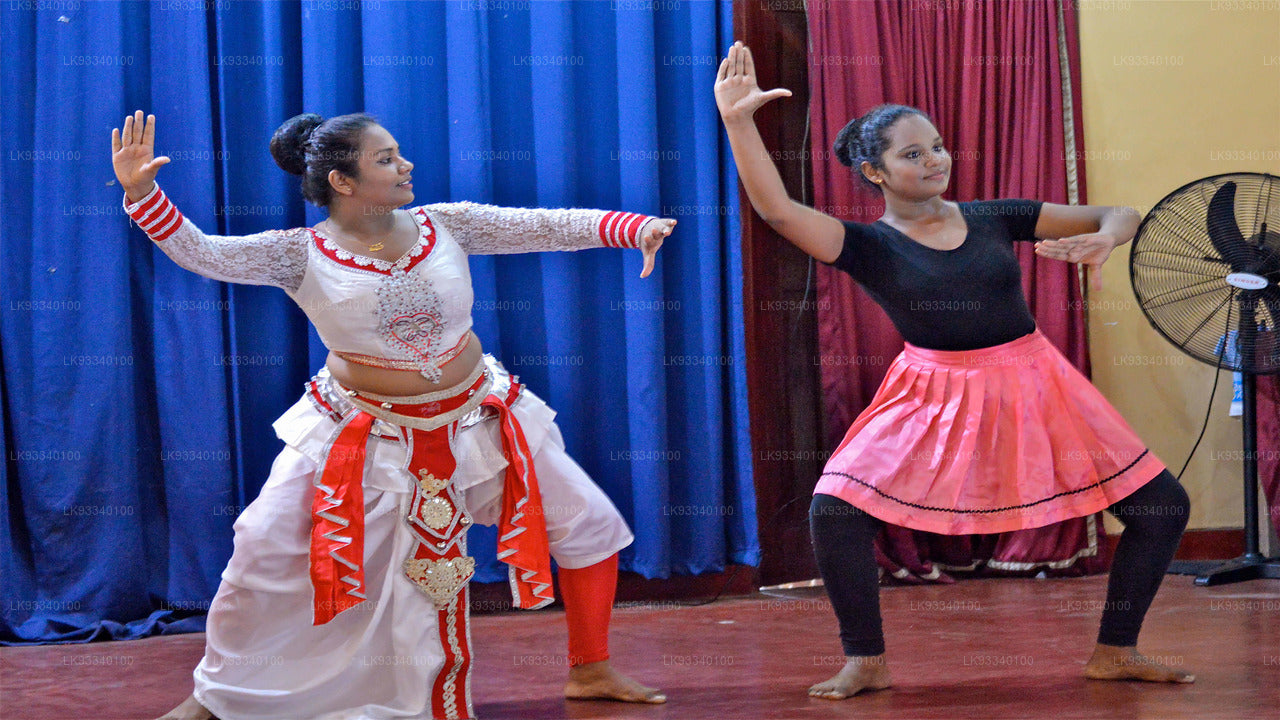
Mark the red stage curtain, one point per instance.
(991, 75)
(1269, 447)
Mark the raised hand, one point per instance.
(133, 155)
(651, 237)
(738, 96)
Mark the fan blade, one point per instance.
(1223, 231)
(1268, 248)
(1269, 357)
(1269, 297)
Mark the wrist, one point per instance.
(739, 121)
(622, 229)
(1121, 223)
(645, 227)
(138, 193)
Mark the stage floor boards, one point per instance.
(977, 649)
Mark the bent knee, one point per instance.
(1179, 508)
(1161, 506)
(582, 515)
(829, 514)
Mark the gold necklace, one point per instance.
(375, 247)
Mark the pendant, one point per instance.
(376, 247)
(436, 512)
(440, 579)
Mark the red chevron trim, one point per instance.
(621, 229)
(157, 215)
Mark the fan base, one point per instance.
(1241, 569)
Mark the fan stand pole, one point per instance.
(1252, 565)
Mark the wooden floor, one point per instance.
(978, 649)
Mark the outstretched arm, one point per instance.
(1084, 234)
(491, 230)
(738, 96)
(276, 258)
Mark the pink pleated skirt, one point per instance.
(991, 440)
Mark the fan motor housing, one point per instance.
(1246, 281)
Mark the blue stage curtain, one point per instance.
(138, 397)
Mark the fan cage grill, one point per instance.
(1179, 272)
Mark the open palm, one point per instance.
(133, 154)
(1090, 250)
(738, 95)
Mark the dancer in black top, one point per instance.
(980, 426)
(958, 299)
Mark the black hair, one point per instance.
(866, 138)
(311, 146)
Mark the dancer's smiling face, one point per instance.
(916, 166)
(383, 176)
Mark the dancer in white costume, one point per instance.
(346, 594)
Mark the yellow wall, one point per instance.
(1173, 90)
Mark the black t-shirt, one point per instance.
(962, 299)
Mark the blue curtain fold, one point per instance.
(137, 398)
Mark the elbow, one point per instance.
(764, 210)
(774, 216)
(771, 209)
(776, 222)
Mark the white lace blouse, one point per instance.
(411, 313)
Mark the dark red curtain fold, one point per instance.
(991, 77)
(1269, 446)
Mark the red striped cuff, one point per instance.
(621, 229)
(155, 214)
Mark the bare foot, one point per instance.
(190, 709)
(599, 681)
(1110, 662)
(858, 674)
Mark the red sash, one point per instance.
(522, 529)
(337, 523)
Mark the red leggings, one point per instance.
(588, 602)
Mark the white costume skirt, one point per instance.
(264, 659)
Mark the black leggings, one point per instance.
(1153, 516)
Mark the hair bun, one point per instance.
(289, 143)
(847, 142)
